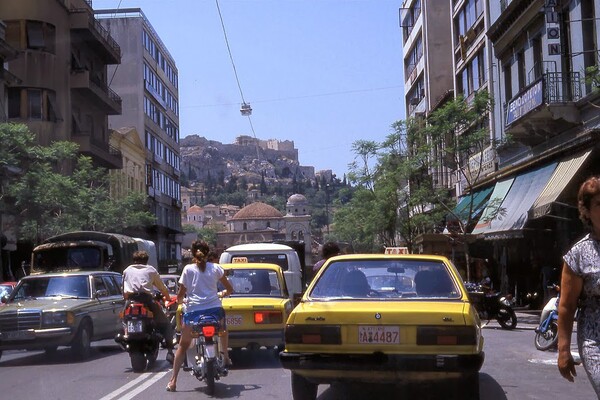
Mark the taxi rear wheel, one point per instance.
(302, 389)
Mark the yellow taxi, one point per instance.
(257, 310)
(385, 318)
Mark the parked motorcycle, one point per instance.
(546, 334)
(204, 358)
(140, 337)
(492, 305)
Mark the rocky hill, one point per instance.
(203, 158)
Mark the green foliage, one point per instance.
(55, 191)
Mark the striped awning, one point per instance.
(563, 174)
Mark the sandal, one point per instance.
(170, 388)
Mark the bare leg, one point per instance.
(224, 335)
(184, 344)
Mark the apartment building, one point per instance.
(427, 62)
(148, 82)
(541, 49)
(54, 56)
(61, 67)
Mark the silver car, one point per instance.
(62, 309)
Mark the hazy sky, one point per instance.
(323, 73)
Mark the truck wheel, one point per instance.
(82, 344)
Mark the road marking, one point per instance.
(151, 377)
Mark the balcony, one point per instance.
(92, 87)
(544, 109)
(92, 32)
(100, 152)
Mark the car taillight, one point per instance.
(208, 331)
(446, 335)
(268, 317)
(313, 334)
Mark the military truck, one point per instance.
(89, 250)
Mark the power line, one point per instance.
(308, 96)
(246, 110)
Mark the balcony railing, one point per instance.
(561, 87)
(104, 87)
(96, 26)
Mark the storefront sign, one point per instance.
(525, 102)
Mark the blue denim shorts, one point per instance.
(217, 312)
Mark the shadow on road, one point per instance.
(62, 355)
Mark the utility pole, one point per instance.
(327, 206)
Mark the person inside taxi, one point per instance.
(139, 281)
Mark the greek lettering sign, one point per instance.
(554, 49)
(525, 102)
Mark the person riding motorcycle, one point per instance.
(139, 280)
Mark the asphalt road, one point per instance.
(513, 369)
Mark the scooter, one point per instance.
(492, 305)
(546, 334)
(204, 358)
(140, 337)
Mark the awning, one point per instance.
(479, 201)
(499, 193)
(563, 174)
(512, 214)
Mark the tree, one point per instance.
(460, 132)
(56, 191)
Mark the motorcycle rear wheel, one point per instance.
(138, 361)
(506, 317)
(210, 376)
(547, 340)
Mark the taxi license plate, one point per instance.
(134, 326)
(378, 334)
(234, 320)
(18, 335)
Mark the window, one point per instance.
(507, 81)
(538, 64)
(521, 69)
(14, 102)
(34, 103)
(40, 36)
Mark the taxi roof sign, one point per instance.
(235, 260)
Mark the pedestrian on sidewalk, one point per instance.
(579, 287)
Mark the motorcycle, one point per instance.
(492, 305)
(140, 337)
(204, 358)
(546, 334)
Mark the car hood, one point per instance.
(379, 312)
(45, 303)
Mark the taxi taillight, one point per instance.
(313, 334)
(268, 317)
(446, 335)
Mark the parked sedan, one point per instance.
(67, 309)
(259, 306)
(384, 319)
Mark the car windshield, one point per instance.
(255, 282)
(386, 279)
(63, 286)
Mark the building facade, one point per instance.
(148, 81)
(55, 56)
(533, 57)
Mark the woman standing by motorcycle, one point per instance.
(579, 287)
(198, 283)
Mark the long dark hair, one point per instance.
(587, 191)
(200, 252)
